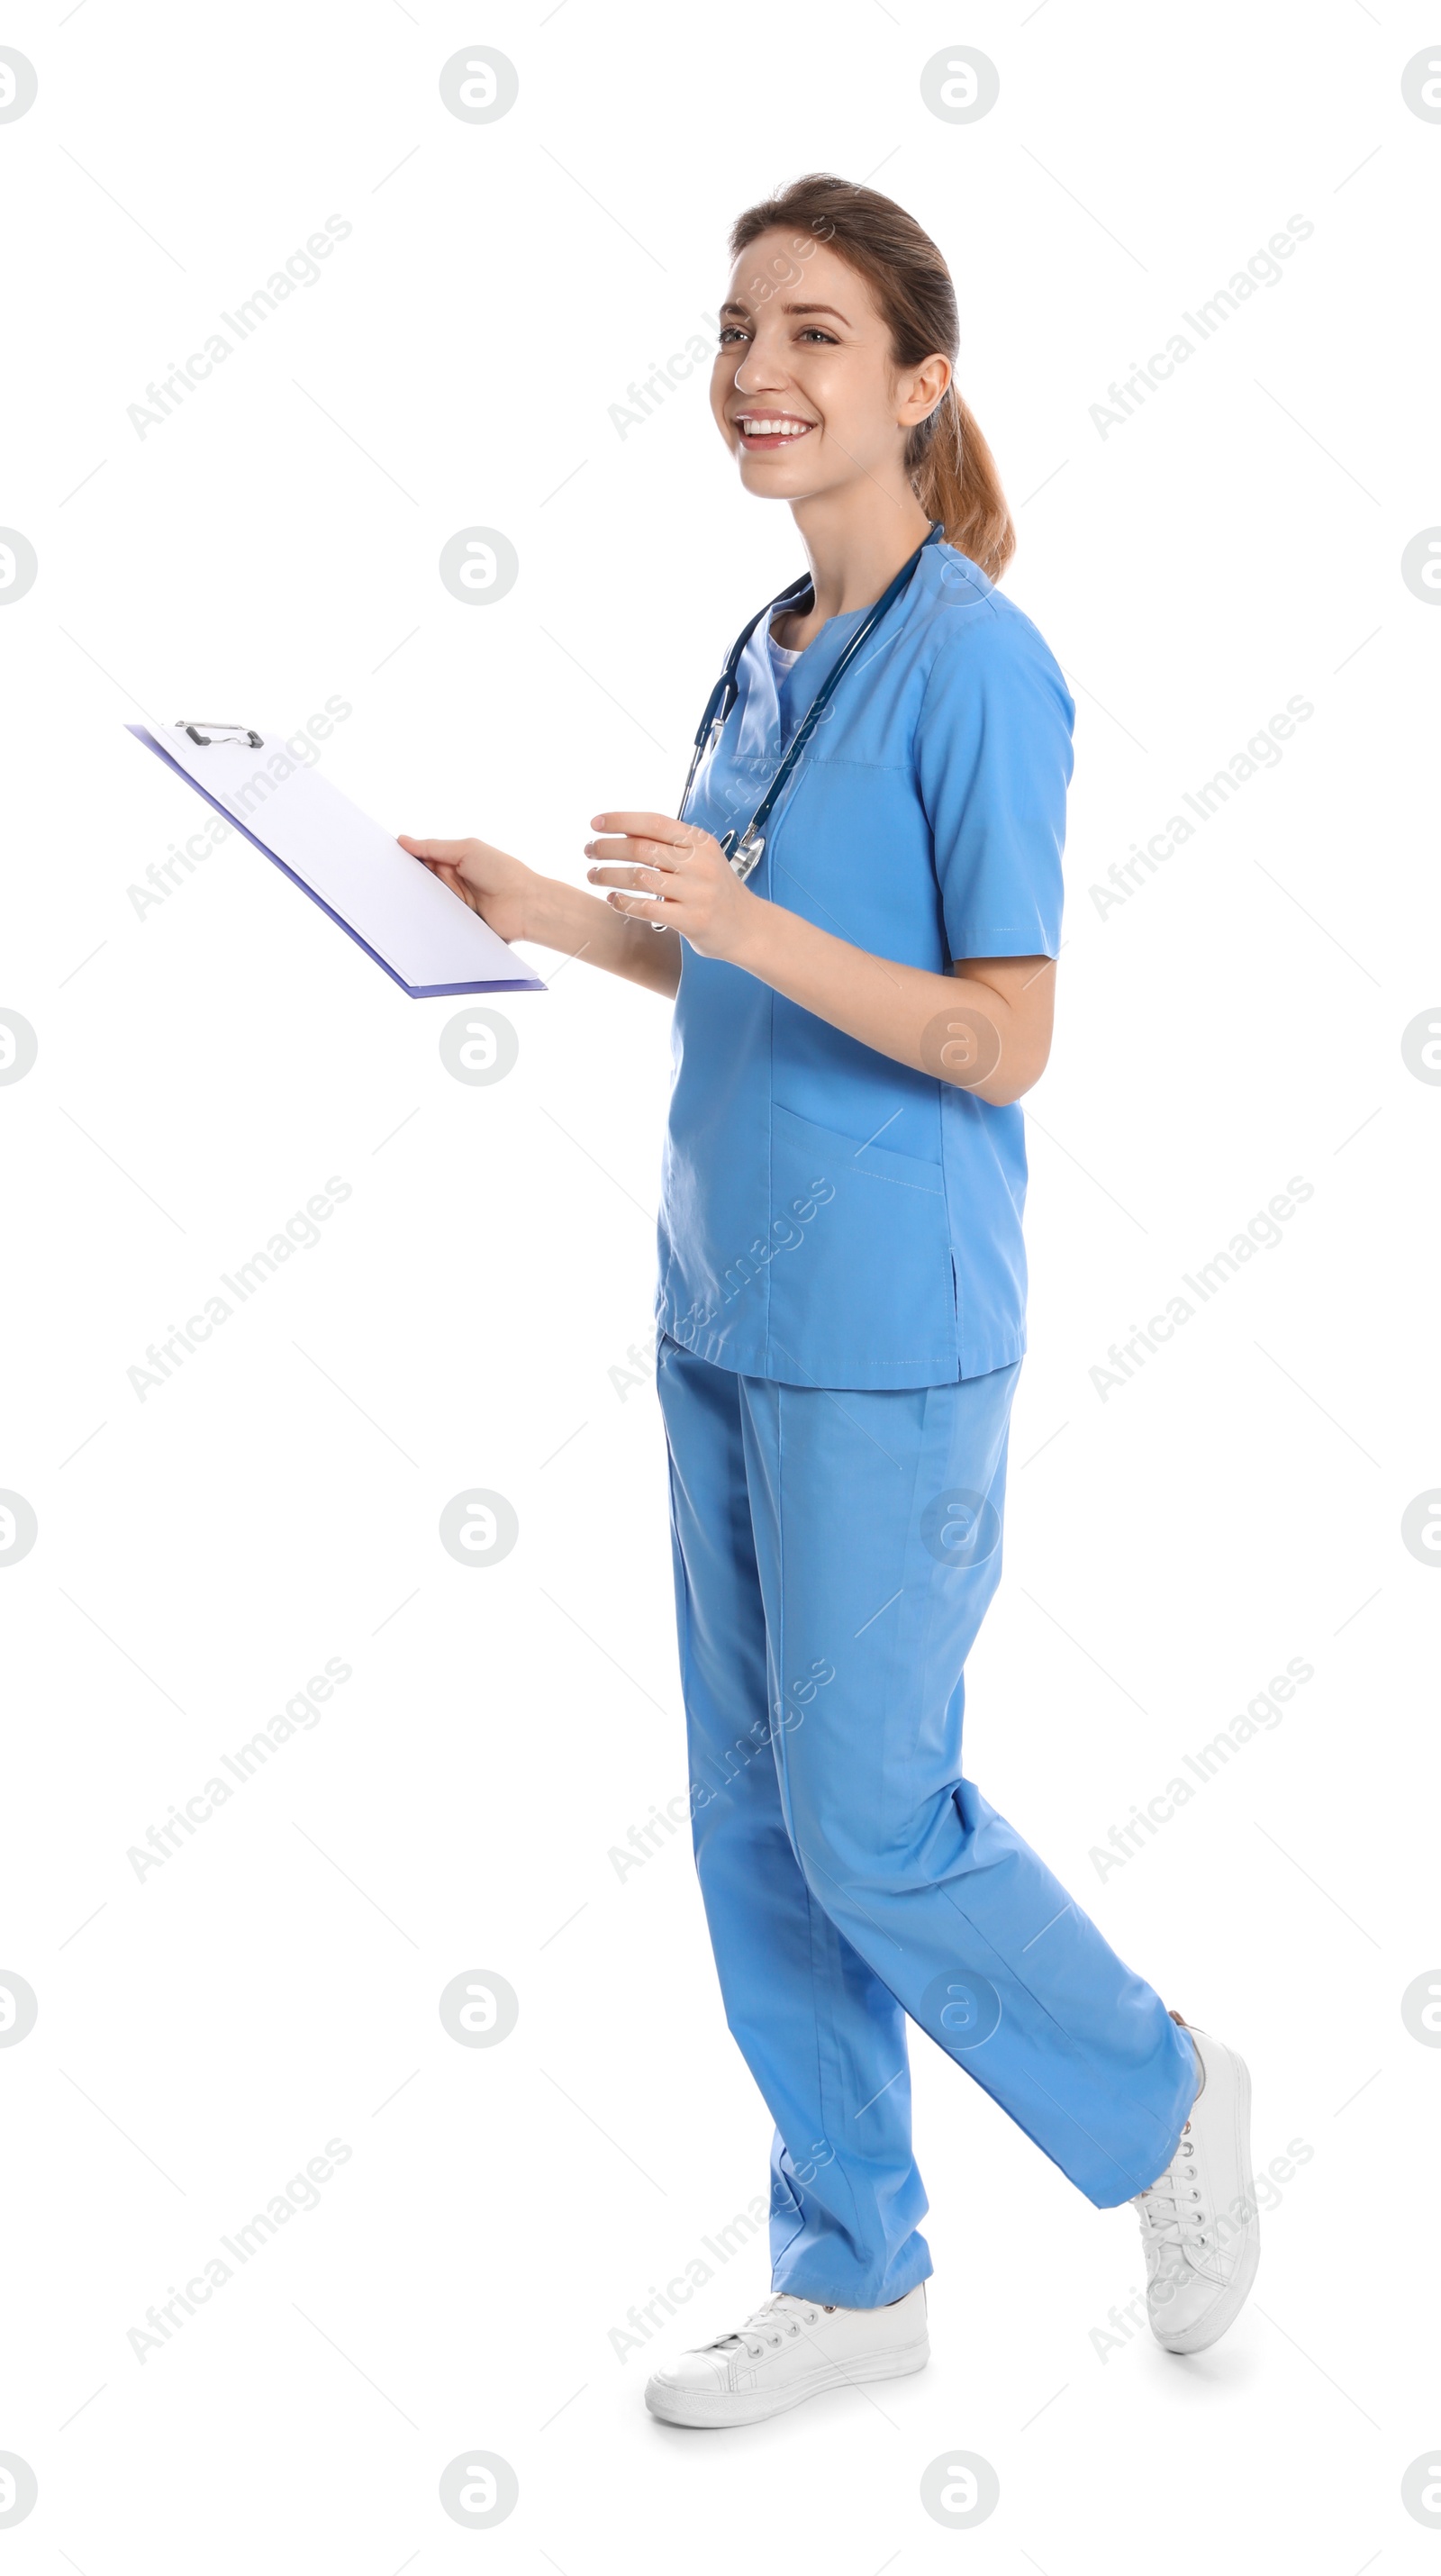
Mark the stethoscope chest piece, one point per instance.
(744, 854)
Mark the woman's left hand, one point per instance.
(669, 873)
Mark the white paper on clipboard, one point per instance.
(412, 925)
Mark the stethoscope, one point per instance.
(744, 849)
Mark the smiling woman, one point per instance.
(909, 313)
(857, 912)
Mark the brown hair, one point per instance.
(952, 470)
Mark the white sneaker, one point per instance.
(790, 2350)
(1199, 2222)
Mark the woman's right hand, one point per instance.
(488, 880)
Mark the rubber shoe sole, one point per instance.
(1228, 2307)
(705, 2410)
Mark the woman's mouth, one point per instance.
(771, 429)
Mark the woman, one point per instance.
(862, 965)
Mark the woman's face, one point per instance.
(804, 391)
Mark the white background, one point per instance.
(206, 1065)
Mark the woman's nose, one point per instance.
(758, 374)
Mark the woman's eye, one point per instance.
(731, 332)
(827, 338)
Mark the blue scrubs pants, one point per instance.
(834, 1554)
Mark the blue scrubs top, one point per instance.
(828, 1217)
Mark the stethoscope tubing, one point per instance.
(744, 849)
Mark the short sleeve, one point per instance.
(994, 758)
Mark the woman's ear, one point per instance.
(923, 387)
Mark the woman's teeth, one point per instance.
(774, 428)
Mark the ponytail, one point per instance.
(953, 475)
(951, 469)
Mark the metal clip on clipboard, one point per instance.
(206, 734)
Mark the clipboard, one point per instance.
(422, 935)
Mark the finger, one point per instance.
(639, 908)
(453, 882)
(450, 852)
(641, 853)
(651, 827)
(651, 881)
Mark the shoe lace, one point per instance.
(777, 2317)
(1173, 2219)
